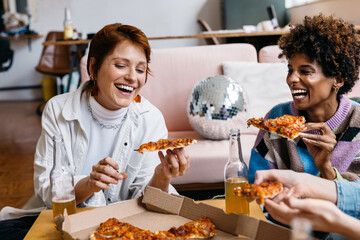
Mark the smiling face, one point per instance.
(121, 75)
(312, 91)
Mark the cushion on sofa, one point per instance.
(270, 54)
(264, 84)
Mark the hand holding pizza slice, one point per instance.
(287, 126)
(259, 191)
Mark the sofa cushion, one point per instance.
(263, 83)
(270, 54)
(208, 158)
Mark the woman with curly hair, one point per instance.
(323, 57)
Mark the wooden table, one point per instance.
(23, 36)
(44, 226)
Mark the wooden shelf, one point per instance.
(23, 36)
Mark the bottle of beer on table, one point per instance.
(68, 27)
(62, 180)
(235, 175)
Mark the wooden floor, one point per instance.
(19, 131)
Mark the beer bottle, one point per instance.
(235, 175)
(62, 180)
(68, 27)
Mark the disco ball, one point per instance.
(216, 105)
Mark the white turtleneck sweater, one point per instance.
(101, 140)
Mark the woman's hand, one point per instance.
(320, 146)
(173, 164)
(323, 215)
(104, 173)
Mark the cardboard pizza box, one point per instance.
(158, 210)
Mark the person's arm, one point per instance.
(303, 185)
(323, 215)
(349, 197)
(349, 227)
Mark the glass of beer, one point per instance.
(60, 203)
(233, 203)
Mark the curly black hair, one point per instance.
(331, 42)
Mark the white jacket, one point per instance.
(62, 115)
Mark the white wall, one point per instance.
(154, 17)
(346, 9)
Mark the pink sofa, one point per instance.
(175, 72)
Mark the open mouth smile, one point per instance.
(124, 88)
(299, 93)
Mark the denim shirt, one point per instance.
(62, 115)
(349, 197)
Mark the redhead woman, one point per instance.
(102, 123)
(323, 57)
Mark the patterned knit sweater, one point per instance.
(273, 151)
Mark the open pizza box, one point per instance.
(158, 210)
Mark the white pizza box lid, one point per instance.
(158, 210)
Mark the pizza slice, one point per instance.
(114, 229)
(196, 229)
(261, 191)
(164, 144)
(287, 126)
